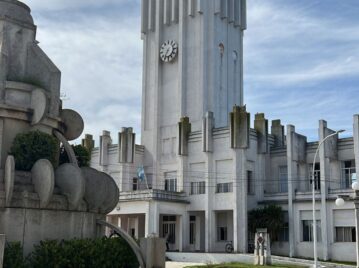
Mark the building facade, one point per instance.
(204, 167)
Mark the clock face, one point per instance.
(168, 51)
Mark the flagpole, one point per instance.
(146, 182)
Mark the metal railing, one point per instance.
(153, 194)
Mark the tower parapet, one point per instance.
(233, 11)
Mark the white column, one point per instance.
(210, 231)
(152, 219)
(324, 176)
(292, 175)
(209, 197)
(356, 203)
(240, 218)
(184, 231)
(182, 164)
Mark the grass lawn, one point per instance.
(242, 265)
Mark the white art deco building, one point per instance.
(205, 167)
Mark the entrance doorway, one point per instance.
(169, 230)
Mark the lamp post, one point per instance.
(340, 202)
(313, 197)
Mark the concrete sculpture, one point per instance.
(262, 252)
(49, 202)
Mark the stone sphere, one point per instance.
(340, 202)
(355, 186)
(15, 10)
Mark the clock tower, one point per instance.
(193, 64)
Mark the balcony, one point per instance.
(154, 194)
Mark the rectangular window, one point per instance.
(134, 184)
(345, 234)
(283, 234)
(250, 182)
(221, 233)
(307, 226)
(169, 218)
(224, 187)
(348, 171)
(133, 232)
(316, 175)
(198, 188)
(283, 179)
(171, 185)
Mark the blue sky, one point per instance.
(301, 60)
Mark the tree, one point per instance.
(82, 155)
(31, 146)
(270, 217)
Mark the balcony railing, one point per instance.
(154, 194)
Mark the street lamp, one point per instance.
(340, 202)
(313, 197)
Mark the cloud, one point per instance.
(57, 5)
(301, 60)
(100, 58)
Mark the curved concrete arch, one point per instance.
(68, 148)
(132, 243)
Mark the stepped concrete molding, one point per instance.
(73, 124)
(261, 126)
(88, 142)
(43, 179)
(70, 180)
(9, 179)
(184, 128)
(277, 130)
(239, 127)
(105, 142)
(330, 145)
(126, 145)
(207, 132)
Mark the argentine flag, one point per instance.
(141, 173)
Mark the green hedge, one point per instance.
(83, 155)
(29, 147)
(13, 256)
(79, 253)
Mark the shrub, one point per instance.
(270, 217)
(29, 147)
(81, 253)
(83, 155)
(13, 256)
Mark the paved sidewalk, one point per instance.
(172, 264)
